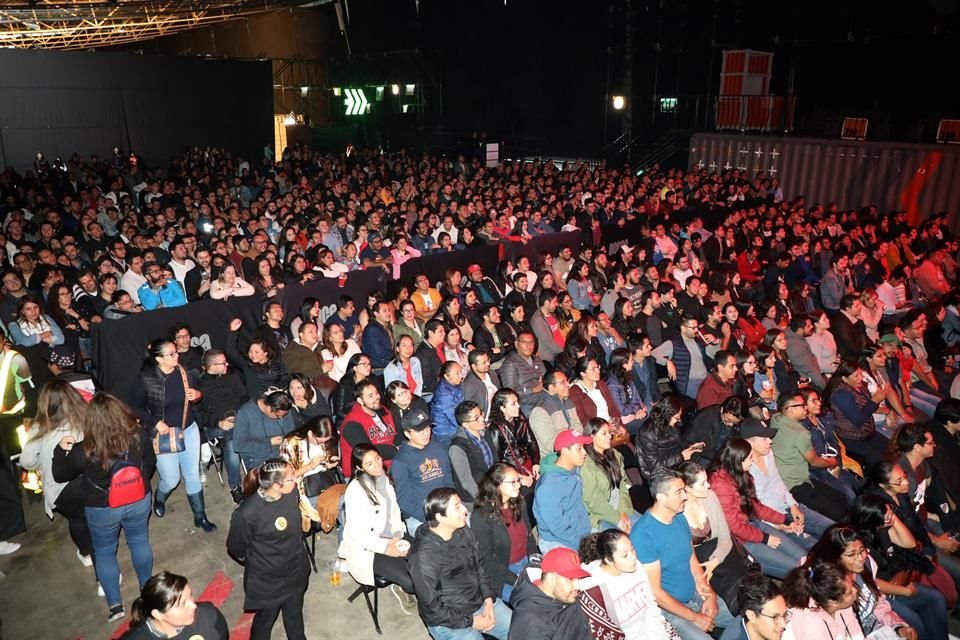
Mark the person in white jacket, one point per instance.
(375, 541)
(60, 413)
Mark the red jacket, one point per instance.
(586, 408)
(712, 391)
(749, 271)
(358, 426)
(725, 487)
(753, 333)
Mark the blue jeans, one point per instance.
(546, 545)
(923, 401)
(515, 568)
(105, 524)
(171, 466)
(690, 631)
(500, 629)
(926, 612)
(847, 483)
(776, 563)
(231, 461)
(814, 522)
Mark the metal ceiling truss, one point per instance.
(88, 24)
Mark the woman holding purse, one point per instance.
(161, 397)
(312, 450)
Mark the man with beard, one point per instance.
(157, 292)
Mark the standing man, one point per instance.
(223, 394)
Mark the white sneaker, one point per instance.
(86, 561)
(100, 587)
(206, 453)
(8, 547)
(203, 477)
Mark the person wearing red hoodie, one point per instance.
(367, 422)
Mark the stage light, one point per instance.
(379, 94)
(304, 91)
(395, 89)
(408, 89)
(336, 91)
(289, 119)
(619, 102)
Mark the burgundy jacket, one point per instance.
(586, 408)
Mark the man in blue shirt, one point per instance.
(376, 255)
(158, 292)
(663, 544)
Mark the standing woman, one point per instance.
(266, 538)
(502, 527)
(166, 609)
(112, 435)
(60, 414)
(161, 397)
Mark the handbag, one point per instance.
(728, 574)
(316, 483)
(172, 441)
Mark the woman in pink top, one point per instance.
(821, 596)
(401, 251)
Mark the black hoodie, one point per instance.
(537, 616)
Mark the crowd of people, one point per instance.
(740, 423)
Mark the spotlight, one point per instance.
(395, 89)
(304, 91)
(619, 102)
(408, 89)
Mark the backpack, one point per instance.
(126, 484)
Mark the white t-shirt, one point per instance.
(630, 602)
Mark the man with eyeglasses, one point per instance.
(157, 292)
(223, 394)
(13, 290)
(795, 457)
(472, 451)
(685, 358)
(764, 611)
(555, 413)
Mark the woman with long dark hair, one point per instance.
(891, 483)
(743, 385)
(360, 367)
(162, 397)
(450, 313)
(309, 312)
(313, 451)
(786, 377)
(622, 591)
(844, 547)
(900, 570)
(374, 537)
(113, 443)
(659, 442)
(606, 489)
(854, 406)
(166, 609)
(401, 401)
(502, 527)
(753, 330)
(516, 441)
(777, 545)
(31, 327)
(624, 390)
(337, 349)
(307, 402)
(266, 538)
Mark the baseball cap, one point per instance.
(890, 338)
(751, 427)
(62, 355)
(415, 420)
(568, 438)
(473, 269)
(625, 248)
(564, 562)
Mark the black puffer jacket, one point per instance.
(655, 452)
(537, 615)
(448, 577)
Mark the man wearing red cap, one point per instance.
(562, 518)
(547, 607)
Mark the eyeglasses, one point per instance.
(778, 617)
(169, 355)
(515, 483)
(217, 364)
(795, 406)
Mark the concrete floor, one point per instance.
(46, 594)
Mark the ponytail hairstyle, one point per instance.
(600, 546)
(159, 593)
(154, 351)
(608, 461)
(269, 473)
(817, 581)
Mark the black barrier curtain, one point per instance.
(120, 345)
(436, 265)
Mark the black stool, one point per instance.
(373, 607)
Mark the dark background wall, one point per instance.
(65, 102)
